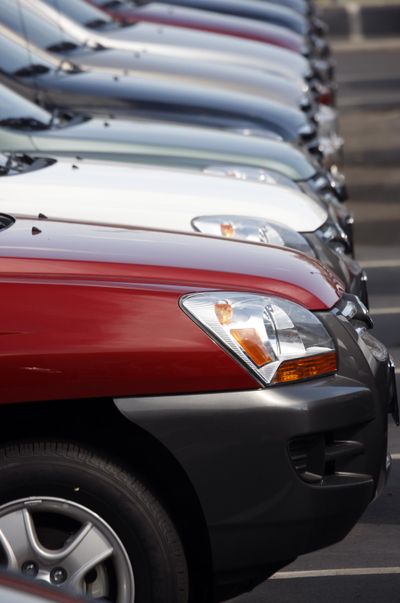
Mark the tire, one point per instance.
(147, 556)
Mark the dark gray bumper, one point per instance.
(281, 471)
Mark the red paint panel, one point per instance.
(78, 340)
(101, 253)
(93, 311)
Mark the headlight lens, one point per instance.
(250, 174)
(351, 309)
(277, 340)
(256, 230)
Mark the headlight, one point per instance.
(276, 340)
(352, 310)
(256, 230)
(250, 174)
(333, 234)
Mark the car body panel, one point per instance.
(150, 97)
(277, 78)
(254, 9)
(191, 18)
(160, 144)
(143, 141)
(303, 7)
(102, 280)
(296, 515)
(177, 42)
(150, 197)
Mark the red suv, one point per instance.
(181, 415)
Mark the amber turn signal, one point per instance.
(227, 230)
(224, 312)
(305, 368)
(251, 343)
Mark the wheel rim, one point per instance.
(65, 544)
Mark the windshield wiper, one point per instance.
(96, 23)
(23, 123)
(20, 163)
(33, 69)
(63, 46)
(15, 163)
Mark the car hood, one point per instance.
(61, 252)
(151, 97)
(274, 12)
(161, 142)
(145, 95)
(149, 196)
(228, 23)
(276, 82)
(177, 42)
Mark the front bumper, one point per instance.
(280, 471)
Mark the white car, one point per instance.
(170, 199)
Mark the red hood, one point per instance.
(191, 262)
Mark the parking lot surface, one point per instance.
(364, 567)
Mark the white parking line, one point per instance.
(357, 571)
(366, 44)
(383, 311)
(395, 456)
(394, 263)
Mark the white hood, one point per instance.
(149, 197)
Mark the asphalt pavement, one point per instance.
(365, 567)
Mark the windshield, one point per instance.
(16, 54)
(14, 106)
(81, 12)
(38, 30)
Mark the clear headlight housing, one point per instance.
(255, 230)
(278, 341)
(351, 309)
(250, 174)
(332, 233)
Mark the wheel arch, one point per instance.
(98, 423)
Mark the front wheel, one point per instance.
(71, 518)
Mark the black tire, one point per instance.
(74, 473)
